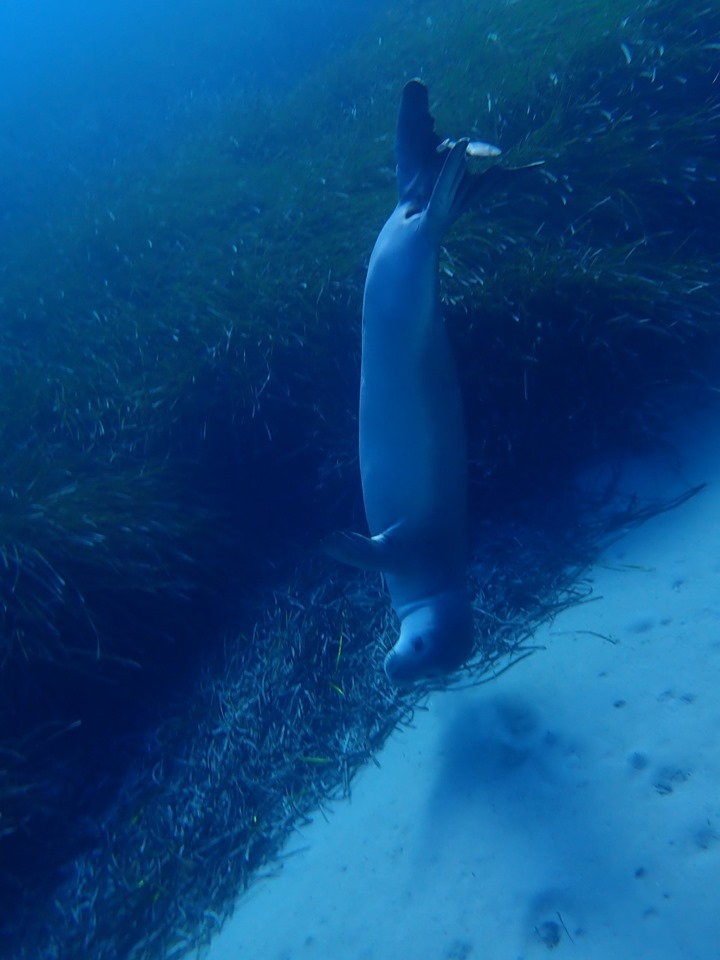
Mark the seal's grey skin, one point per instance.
(412, 435)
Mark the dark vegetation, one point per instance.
(179, 362)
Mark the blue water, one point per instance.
(85, 84)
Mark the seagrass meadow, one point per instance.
(183, 677)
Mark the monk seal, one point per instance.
(413, 461)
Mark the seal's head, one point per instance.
(436, 637)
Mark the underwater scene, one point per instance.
(359, 533)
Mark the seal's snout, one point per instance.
(399, 670)
(435, 639)
(404, 668)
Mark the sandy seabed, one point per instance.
(571, 806)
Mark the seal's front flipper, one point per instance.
(370, 553)
(357, 550)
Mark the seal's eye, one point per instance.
(418, 644)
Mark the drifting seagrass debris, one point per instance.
(282, 723)
(278, 727)
(76, 549)
(568, 332)
(98, 582)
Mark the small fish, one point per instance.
(475, 148)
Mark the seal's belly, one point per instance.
(412, 438)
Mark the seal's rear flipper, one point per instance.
(450, 193)
(416, 146)
(422, 160)
(425, 163)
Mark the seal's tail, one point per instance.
(432, 173)
(452, 189)
(416, 146)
